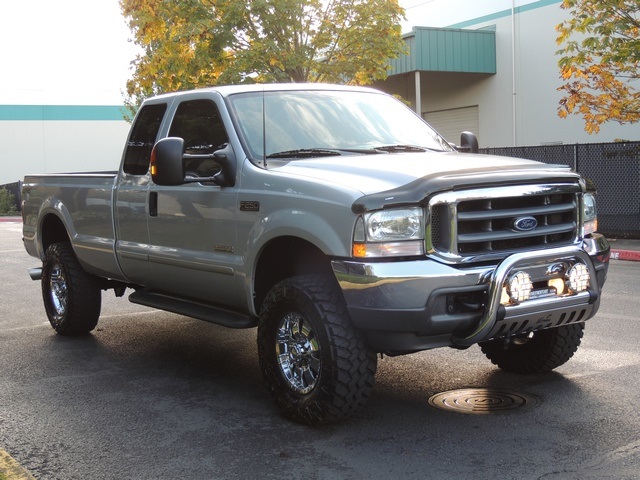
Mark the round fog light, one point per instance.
(578, 277)
(519, 287)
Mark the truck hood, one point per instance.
(410, 177)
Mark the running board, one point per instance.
(190, 308)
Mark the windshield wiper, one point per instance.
(402, 148)
(332, 152)
(305, 153)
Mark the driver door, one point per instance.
(192, 231)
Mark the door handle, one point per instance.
(153, 204)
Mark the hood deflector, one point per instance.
(418, 191)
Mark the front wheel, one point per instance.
(537, 352)
(72, 298)
(317, 366)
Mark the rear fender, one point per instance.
(53, 213)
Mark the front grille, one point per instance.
(503, 220)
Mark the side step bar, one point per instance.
(190, 308)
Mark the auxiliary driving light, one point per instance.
(519, 287)
(578, 277)
(558, 284)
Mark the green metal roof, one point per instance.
(447, 50)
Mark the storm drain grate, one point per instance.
(483, 401)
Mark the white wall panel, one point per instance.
(59, 146)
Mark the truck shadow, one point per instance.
(170, 358)
(188, 394)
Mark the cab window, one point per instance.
(142, 139)
(199, 124)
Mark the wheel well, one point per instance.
(286, 257)
(53, 231)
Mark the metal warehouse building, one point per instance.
(495, 75)
(59, 138)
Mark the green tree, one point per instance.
(599, 61)
(7, 202)
(194, 43)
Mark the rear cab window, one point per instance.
(142, 139)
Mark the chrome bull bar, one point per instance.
(500, 320)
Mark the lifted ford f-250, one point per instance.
(336, 221)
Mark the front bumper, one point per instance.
(416, 305)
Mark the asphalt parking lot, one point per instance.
(154, 395)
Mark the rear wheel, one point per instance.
(72, 298)
(537, 352)
(317, 366)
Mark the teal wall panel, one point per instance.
(505, 13)
(61, 112)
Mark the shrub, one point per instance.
(7, 203)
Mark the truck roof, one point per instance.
(226, 90)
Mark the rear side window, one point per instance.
(142, 139)
(199, 124)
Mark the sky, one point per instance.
(77, 52)
(63, 52)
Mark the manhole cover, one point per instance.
(482, 401)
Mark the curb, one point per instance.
(12, 470)
(629, 255)
(11, 219)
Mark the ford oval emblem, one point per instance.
(524, 224)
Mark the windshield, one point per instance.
(302, 124)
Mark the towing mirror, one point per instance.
(167, 167)
(468, 143)
(168, 164)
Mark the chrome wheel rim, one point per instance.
(298, 353)
(58, 290)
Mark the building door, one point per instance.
(450, 123)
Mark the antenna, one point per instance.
(264, 130)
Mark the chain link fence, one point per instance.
(615, 169)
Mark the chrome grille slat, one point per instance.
(514, 212)
(493, 236)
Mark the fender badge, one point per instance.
(249, 206)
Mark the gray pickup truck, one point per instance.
(336, 221)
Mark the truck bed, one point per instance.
(84, 203)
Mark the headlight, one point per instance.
(389, 233)
(589, 214)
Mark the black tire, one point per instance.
(317, 366)
(542, 352)
(72, 298)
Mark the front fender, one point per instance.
(304, 225)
